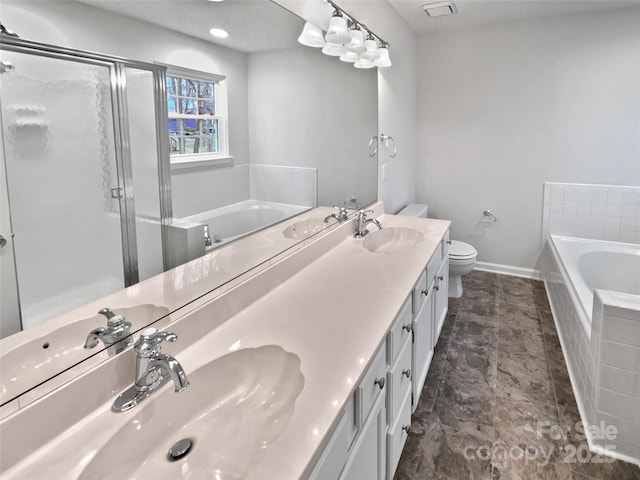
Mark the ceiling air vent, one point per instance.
(439, 9)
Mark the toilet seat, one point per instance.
(461, 251)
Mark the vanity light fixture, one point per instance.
(219, 33)
(348, 39)
(356, 44)
(311, 36)
(337, 31)
(371, 46)
(351, 57)
(333, 49)
(383, 59)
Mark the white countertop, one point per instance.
(333, 314)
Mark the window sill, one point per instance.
(185, 163)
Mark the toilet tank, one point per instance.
(414, 210)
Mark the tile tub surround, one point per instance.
(497, 371)
(590, 328)
(365, 291)
(600, 212)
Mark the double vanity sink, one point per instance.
(272, 365)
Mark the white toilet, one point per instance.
(462, 256)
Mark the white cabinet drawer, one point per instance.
(397, 435)
(400, 332)
(399, 382)
(373, 384)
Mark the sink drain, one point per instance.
(180, 449)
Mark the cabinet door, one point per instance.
(441, 286)
(422, 344)
(368, 459)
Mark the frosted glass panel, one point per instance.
(144, 163)
(57, 125)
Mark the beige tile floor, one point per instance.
(496, 379)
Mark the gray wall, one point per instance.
(504, 108)
(311, 110)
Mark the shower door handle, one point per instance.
(3, 241)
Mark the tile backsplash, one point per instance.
(600, 212)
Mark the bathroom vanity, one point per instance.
(310, 368)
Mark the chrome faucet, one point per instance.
(207, 238)
(116, 335)
(341, 216)
(153, 370)
(362, 221)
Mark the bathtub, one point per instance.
(593, 288)
(596, 264)
(225, 224)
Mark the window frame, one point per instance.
(223, 156)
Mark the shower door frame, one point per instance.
(117, 66)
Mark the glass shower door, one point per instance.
(62, 176)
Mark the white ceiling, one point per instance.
(477, 13)
(253, 25)
(258, 25)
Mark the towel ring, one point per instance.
(491, 218)
(386, 139)
(373, 143)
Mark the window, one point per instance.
(197, 116)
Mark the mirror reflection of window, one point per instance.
(197, 116)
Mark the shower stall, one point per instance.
(84, 180)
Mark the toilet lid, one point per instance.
(460, 250)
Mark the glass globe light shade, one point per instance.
(383, 59)
(337, 31)
(311, 36)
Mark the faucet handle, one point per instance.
(107, 312)
(150, 339)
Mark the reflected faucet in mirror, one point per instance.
(341, 216)
(116, 335)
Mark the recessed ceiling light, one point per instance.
(216, 1)
(219, 33)
(439, 9)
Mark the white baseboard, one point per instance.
(508, 270)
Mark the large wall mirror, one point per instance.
(292, 133)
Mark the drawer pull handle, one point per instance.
(437, 287)
(406, 428)
(440, 277)
(425, 292)
(408, 327)
(407, 373)
(380, 383)
(449, 242)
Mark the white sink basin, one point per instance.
(305, 228)
(234, 408)
(38, 359)
(392, 240)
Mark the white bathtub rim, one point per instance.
(244, 204)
